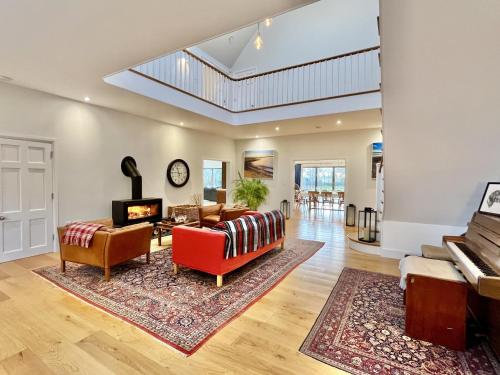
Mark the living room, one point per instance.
(198, 303)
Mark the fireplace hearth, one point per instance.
(137, 209)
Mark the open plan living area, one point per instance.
(250, 187)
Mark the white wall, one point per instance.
(351, 146)
(322, 29)
(441, 118)
(91, 142)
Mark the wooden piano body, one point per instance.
(477, 255)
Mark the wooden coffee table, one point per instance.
(167, 226)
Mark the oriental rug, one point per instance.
(182, 310)
(361, 330)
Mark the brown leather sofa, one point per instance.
(211, 215)
(109, 246)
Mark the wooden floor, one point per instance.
(44, 330)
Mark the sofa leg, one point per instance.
(148, 257)
(219, 281)
(107, 273)
(63, 266)
(282, 244)
(175, 268)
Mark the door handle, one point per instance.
(2, 218)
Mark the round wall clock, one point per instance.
(178, 173)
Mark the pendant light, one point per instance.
(258, 42)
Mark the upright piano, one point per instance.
(477, 256)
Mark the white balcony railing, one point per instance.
(353, 73)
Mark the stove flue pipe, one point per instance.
(129, 169)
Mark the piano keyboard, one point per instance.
(487, 270)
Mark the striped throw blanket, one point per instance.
(80, 234)
(251, 232)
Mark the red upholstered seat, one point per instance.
(203, 250)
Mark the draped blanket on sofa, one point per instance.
(251, 232)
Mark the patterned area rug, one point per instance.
(182, 310)
(361, 330)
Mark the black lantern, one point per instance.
(285, 208)
(350, 215)
(367, 225)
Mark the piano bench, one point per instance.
(436, 301)
(435, 252)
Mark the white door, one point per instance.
(26, 221)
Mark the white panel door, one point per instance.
(26, 217)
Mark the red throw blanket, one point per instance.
(252, 232)
(80, 234)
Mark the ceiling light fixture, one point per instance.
(277, 128)
(87, 99)
(258, 42)
(182, 124)
(268, 22)
(256, 136)
(339, 122)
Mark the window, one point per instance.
(323, 178)
(212, 177)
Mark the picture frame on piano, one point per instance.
(490, 204)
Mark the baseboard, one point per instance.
(404, 238)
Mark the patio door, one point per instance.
(26, 209)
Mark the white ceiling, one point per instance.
(67, 47)
(227, 48)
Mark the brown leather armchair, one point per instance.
(109, 247)
(211, 215)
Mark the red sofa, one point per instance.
(203, 250)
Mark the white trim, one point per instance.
(55, 201)
(404, 238)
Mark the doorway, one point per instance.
(319, 189)
(26, 193)
(214, 181)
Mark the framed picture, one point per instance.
(376, 157)
(490, 204)
(259, 164)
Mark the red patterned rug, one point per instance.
(182, 310)
(361, 330)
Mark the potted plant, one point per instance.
(250, 192)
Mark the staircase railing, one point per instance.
(352, 73)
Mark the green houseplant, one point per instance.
(250, 192)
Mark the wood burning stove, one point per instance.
(132, 211)
(137, 209)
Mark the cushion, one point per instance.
(438, 269)
(435, 252)
(210, 210)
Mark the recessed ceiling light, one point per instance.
(5, 78)
(277, 128)
(268, 22)
(339, 122)
(87, 99)
(181, 123)
(256, 136)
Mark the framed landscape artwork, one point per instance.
(490, 204)
(376, 158)
(259, 164)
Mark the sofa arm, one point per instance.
(199, 249)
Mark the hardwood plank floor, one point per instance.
(44, 330)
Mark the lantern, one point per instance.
(350, 215)
(367, 225)
(285, 208)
